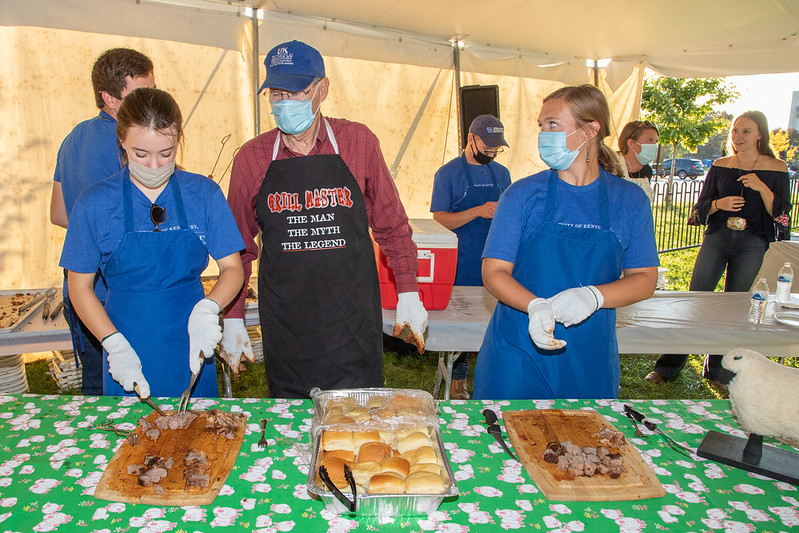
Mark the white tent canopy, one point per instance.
(391, 64)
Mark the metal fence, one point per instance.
(672, 207)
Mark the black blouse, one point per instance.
(723, 181)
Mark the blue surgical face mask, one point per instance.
(553, 151)
(647, 153)
(294, 116)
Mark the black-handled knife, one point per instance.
(632, 413)
(496, 431)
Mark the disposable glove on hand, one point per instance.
(542, 325)
(236, 346)
(204, 332)
(572, 306)
(412, 313)
(124, 365)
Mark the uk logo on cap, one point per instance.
(282, 57)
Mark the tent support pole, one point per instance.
(457, 60)
(596, 73)
(255, 73)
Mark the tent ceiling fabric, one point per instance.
(676, 37)
(532, 38)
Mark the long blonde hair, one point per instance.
(588, 104)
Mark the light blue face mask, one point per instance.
(294, 116)
(647, 153)
(553, 151)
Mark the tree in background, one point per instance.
(682, 108)
(786, 143)
(716, 145)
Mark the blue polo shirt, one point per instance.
(88, 155)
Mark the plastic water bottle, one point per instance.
(784, 281)
(757, 308)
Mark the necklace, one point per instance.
(754, 165)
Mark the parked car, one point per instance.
(685, 168)
(707, 163)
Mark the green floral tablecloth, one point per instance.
(51, 459)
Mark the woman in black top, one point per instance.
(742, 195)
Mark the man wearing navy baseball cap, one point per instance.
(465, 194)
(314, 186)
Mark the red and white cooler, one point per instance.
(437, 253)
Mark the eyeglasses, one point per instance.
(157, 215)
(276, 95)
(489, 152)
(647, 125)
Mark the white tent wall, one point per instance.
(45, 94)
(410, 108)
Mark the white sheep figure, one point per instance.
(764, 394)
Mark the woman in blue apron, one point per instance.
(150, 228)
(555, 255)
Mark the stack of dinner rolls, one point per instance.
(391, 461)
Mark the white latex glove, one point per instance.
(204, 332)
(410, 311)
(124, 365)
(572, 306)
(235, 345)
(542, 325)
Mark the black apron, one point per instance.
(318, 290)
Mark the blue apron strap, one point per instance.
(126, 201)
(604, 212)
(466, 170)
(552, 189)
(179, 203)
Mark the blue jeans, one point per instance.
(460, 367)
(741, 253)
(89, 350)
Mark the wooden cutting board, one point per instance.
(118, 486)
(531, 431)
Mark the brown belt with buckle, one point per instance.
(736, 223)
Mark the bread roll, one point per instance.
(375, 402)
(424, 483)
(395, 464)
(386, 484)
(408, 403)
(347, 455)
(360, 438)
(386, 436)
(362, 472)
(357, 413)
(433, 468)
(339, 419)
(424, 454)
(414, 440)
(344, 402)
(374, 451)
(337, 440)
(335, 470)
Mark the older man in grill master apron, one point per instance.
(314, 186)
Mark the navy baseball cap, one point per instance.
(292, 66)
(489, 129)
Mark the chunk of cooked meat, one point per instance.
(153, 434)
(135, 470)
(223, 423)
(176, 420)
(199, 481)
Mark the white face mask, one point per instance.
(647, 153)
(151, 177)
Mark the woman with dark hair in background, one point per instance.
(740, 198)
(149, 229)
(638, 146)
(555, 254)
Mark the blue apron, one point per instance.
(153, 284)
(472, 236)
(553, 258)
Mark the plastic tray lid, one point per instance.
(429, 233)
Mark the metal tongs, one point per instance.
(130, 435)
(335, 490)
(148, 400)
(37, 299)
(652, 426)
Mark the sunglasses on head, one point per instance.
(157, 215)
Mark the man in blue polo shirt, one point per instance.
(89, 154)
(465, 194)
